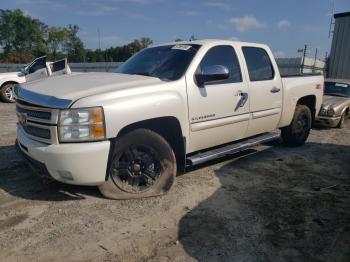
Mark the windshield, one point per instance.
(337, 89)
(167, 63)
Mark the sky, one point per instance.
(285, 25)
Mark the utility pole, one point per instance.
(192, 38)
(325, 69)
(313, 70)
(99, 38)
(303, 59)
(332, 23)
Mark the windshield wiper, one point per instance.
(142, 73)
(147, 74)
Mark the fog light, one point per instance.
(65, 175)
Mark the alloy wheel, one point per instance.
(9, 92)
(137, 169)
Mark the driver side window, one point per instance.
(37, 65)
(225, 56)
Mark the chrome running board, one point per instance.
(230, 149)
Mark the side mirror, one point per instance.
(212, 73)
(24, 71)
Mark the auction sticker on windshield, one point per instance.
(181, 47)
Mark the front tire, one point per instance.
(7, 93)
(143, 165)
(298, 131)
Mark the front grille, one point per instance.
(40, 123)
(37, 131)
(33, 113)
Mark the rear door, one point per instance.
(37, 69)
(59, 67)
(265, 90)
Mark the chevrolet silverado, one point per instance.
(167, 108)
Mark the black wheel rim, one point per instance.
(302, 127)
(136, 169)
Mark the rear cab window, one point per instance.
(259, 65)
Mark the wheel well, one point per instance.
(310, 102)
(9, 82)
(169, 128)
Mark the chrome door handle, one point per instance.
(243, 100)
(275, 90)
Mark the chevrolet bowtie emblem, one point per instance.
(22, 119)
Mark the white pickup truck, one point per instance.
(38, 69)
(168, 107)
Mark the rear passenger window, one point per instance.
(259, 64)
(225, 56)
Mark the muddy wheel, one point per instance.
(298, 131)
(7, 93)
(341, 123)
(143, 165)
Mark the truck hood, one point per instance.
(79, 85)
(11, 75)
(334, 100)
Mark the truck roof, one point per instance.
(211, 42)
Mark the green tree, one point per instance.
(20, 33)
(145, 42)
(56, 39)
(22, 38)
(74, 47)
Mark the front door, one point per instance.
(37, 69)
(218, 111)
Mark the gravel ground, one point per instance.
(270, 203)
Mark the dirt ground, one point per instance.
(270, 203)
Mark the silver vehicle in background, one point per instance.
(336, 103)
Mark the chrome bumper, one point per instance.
(327, 121)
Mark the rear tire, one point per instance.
(143, 165)
(7, 93)
(298, 131)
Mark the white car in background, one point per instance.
(38, 69)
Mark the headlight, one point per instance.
(330, 111)
(85, 124)
(327, 111)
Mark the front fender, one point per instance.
(343, 111)
(126, 107)
(11, 78)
